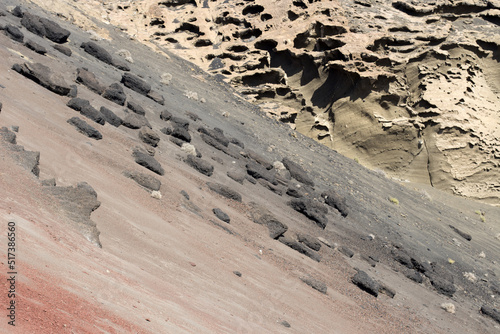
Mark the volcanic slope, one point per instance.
(181, 208)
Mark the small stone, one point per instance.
(237, 273)
(315, 284)
(156, 194)
(448, 307)
(346, 251)
(221, 215)
(285, 323)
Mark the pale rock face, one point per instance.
(410, 89)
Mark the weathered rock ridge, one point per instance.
(411, 88)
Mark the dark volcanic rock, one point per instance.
(335, 200)
(147, 181)
(215, 144)
(45, 28)
(167, 131)
(181, 133)
(259, 159)
(443, 286)
(120, 64)
(85, 109)
(403, 258)
(35, 47)
(262, 216)
(346, 251)
(73, 92)
(200, 165)
(237, 142)
(258, 171)
(315, 284)
(110, 117)
(98, 52)
(309, 241)
(165, 115)
(54, 31)
(250, 179)
(221, 215)
(461, 233)
(18, 11)
(84, 128)
(295, 245)
(185, 194)
(115, 93)
(43, 76)
(180, 122)
(148, 136)
(136, 107)
(311, 209)
(212, 142)
(275, 189)
(134, 121)
(224, 191)
(216, 134)
(285, 324)
(294, 191)
(28, 159)
(491, 312)
(157, 97)
(237, 174)
(1, 105)
(415, 276)
(14, 33)
(78, 203)
(135, 83)
(8, 136)
(33, 24)
(148, 162)
(366, 283)
(89, 80)
(297, 172)
(63, 49)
